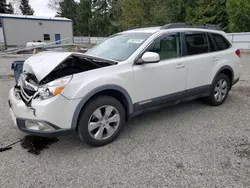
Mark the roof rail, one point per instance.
(135, 27)
(183, 25)
(174, 25)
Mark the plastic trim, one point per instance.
(57, 132)
(224, 68)
(85, 99)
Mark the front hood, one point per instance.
(43, 63)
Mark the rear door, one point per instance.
(200, 61)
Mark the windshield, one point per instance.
(119, 47)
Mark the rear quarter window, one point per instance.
(221, 42)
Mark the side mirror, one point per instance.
(150, 57)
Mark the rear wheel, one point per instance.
(101, 121)
(219, 91)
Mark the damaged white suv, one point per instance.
(95, 93)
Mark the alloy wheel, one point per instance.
(220, 90)
(104, 122)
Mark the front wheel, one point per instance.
(219, 91)
(101, 121)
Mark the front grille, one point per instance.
(26, 93)
(25, 97)
(29, 92)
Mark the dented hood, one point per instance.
(43, 63)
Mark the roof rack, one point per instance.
(183, 25)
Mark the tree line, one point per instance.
(7, 8)
(104, 17)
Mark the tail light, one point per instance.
(238, 52)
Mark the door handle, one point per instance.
(215, 59)
(180, 66)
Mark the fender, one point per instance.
(221, 69)
(85, 99)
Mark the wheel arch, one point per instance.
(112, 90)
(227, 70)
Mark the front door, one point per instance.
(158, 82)
(58, 38)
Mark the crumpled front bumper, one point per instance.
(56, 112)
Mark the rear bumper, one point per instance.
(21, 124)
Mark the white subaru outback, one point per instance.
(95, 93)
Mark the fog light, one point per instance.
(38, 126)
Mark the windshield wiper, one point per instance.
(101, 60)
(91, 61)
(104, 61)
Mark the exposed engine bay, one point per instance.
(29, 88)
(74, 65)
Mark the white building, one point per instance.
(16, 30)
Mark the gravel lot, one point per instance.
(190, 145)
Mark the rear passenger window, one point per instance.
(221, 42)
(197, 43)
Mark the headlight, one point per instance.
(54, 88)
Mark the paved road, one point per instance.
(190, 145)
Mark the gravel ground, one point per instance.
(190, 145)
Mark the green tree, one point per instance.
(239, 15)
(191, 7)
(83, 17)
(26, 8)
(2, 6)
(100, 22)
(105, 17)
(9, 9)
(68, 9)
(135, 13)
(6, 8)
(176, 10)
(207, 12)
(152, 13)
(115, 15)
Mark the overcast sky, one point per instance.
(40, 6)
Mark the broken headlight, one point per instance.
(54, 88)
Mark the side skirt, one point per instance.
(170, 100)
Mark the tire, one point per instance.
(99, 116)
(218, 89)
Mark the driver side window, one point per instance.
(167, 46)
